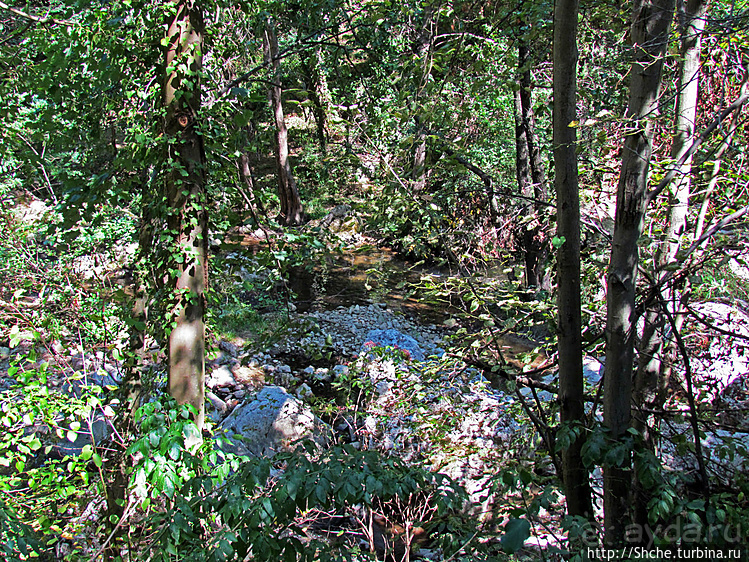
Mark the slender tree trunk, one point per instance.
(531, 176)
(650, 380)
(522, 158)
(187, 206)
(538, 175)
(569, 331)
(319, 93)
(649, 33)
(422, 49)
(245, 174)
(419, 169)
(651, 350)
(292, 212)
(684, 126)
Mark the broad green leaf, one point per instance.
(516, 532)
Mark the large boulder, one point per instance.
(272, 421)
(394, 338)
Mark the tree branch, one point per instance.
(488, 179)
(37, 19)
(676, 167)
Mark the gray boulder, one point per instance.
(394, 338)
(272, 421)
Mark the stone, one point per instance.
(395, 338)
(592, 370)
(99, 428)
(304, 391)
(217, 406)
(272, 421)
(221, 376)
(229, 348)
(340, 370)
(249, 375)
(381, 387)
(322, 374)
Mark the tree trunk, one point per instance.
(291, 212)
(421, 47)
(531, 177)
(569, 330)
(245, 174)
(649, 33)
(686, 117)
(538, 176)
(419, 170)
(187, 207)
(652, 370)
(319, 94)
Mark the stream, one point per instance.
(364, 276)
(368, 275)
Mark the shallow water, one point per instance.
(369, 275)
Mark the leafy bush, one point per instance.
(44, 478)
(220, 507)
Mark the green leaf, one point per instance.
(86, 452)
(558, 241)
(516, 532)
(35, 444)
(174, 450)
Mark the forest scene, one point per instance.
(327, 280)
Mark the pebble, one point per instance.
(348, 329)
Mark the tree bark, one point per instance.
(538, 175)
(531, 176)
(652, 370)
(187, 219)
(245, 174)
(649, 33)
(569, 330)
(319, 94)
(292, 212)
(684, 126)
(421, 47)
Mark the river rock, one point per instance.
(271, 421)
(94, 433)
(229, 348)
(340, 370)
(221, 376)
(394, 338)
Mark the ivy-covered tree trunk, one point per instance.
(569, 323)
(649, 34)
(186, 204)
(292, 212)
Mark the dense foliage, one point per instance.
(422, 126)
